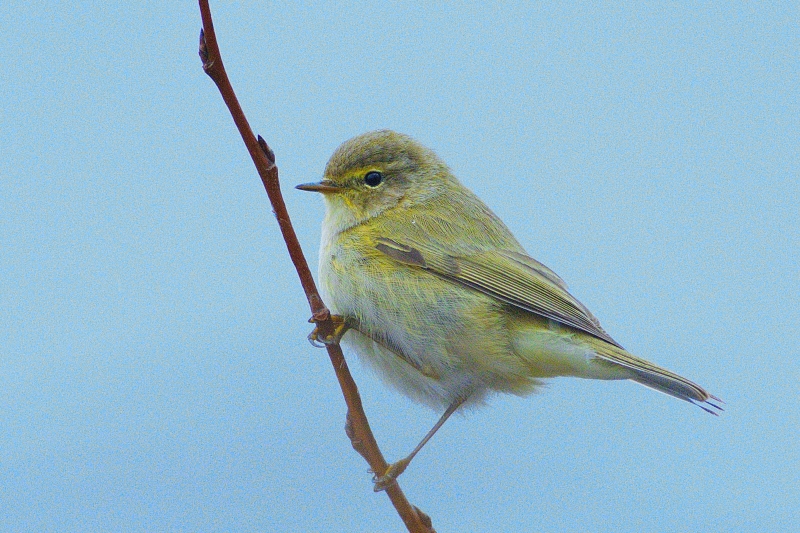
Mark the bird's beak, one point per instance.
(321, 186)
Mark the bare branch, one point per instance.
(357, 426)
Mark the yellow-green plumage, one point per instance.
(442, 300)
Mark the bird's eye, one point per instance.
(373, 179)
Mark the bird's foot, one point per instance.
(318, 340)
(395, 469)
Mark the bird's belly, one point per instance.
(426, 337)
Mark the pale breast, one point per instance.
(431, 339)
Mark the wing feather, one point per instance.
(518, 280)
(510, 277)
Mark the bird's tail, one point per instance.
(657, 378)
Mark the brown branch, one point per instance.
(357, 426)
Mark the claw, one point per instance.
(314, 339)
(340, 327)
(390, 476)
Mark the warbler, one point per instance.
(433, 292)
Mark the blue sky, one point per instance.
(154, 368)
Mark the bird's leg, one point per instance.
(340, 327)
(395, 469)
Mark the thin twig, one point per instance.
(357, 426)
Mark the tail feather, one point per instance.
(657, 378)
(680, 388)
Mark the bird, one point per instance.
(433, 292)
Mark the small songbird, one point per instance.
(436, 295)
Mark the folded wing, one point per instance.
(523, 282)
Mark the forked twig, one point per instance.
(357, 426)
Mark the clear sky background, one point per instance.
(154, 368)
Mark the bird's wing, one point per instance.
(511, 277)
(518, 280)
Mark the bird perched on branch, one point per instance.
(432, 290)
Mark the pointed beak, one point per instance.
(321, 186)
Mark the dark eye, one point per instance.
(373, 179)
